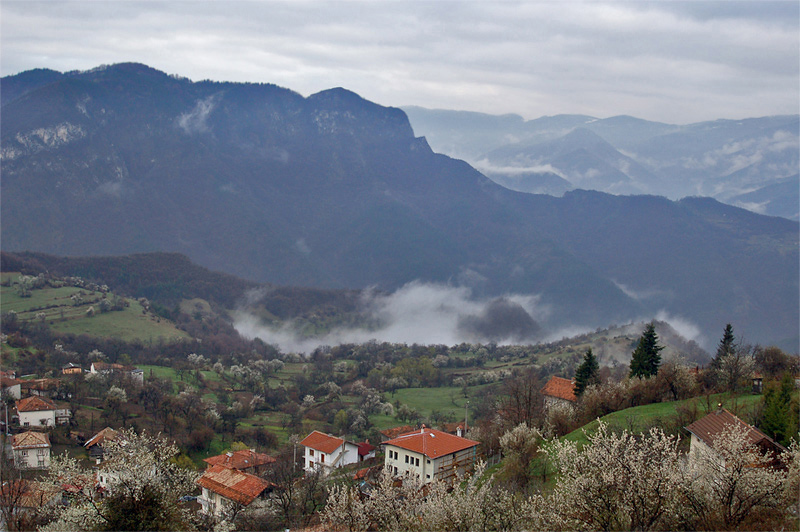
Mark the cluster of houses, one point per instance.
(238, 478)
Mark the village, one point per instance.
(242, 481)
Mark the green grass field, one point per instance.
(447, 400)
(62, 315)
(641, 418)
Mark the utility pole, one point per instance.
(466, 415)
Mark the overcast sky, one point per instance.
(675, 62)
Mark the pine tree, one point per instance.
(646, 357)
(780, 420)
(726, 346)
(587, 372)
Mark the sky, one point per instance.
(669, 61)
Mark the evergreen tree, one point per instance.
(587, 372)
(780, 415)
(646, 357)
(726, 346)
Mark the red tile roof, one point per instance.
(240, 459)
(397, 431)
(100, 438)
(432, 443)
(32, 494)
(30, 440)
(322, 442)
(365, 448)
(233, 484)
(560, 388)
(711, 426)
(34, 404)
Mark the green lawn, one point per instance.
(447, 400)
(641, 418)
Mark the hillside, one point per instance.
(332, 191)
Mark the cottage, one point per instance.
(390, 434)
(31, 450)
(247, 461)
(95, 444)
(71, 369)
(11, 387)
(324, 452)
(430, 454)
(27, 497)
(40, 387)
(705, 431)
(104, 368)
(36, 412)
(224, 488)
(559, 392)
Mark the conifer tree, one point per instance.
(646, 357)
(587, 372)
(726, 346)
(780, 415)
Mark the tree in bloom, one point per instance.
(616, 482)
(736, 483)
(144, 488)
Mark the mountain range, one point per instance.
(750, 163)
(334, 191)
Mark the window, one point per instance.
(40, 452)
(417, 462)
(406, 458)
(311, 452)
(24, 453)
(321, 458)
(27, 424)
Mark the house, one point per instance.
(28, 497)
(40, 387)
(454, 428)
(71, 369)
(706, 430)
(246, 461)
(11, 387)
(95, 444)
(223, 487)
(390, 434)
(36, 411)
(325, 452)
(104, 368)
(430, 454)
(365, 451)
(559, 392)
(31, 450)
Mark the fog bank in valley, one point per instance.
(422, 313)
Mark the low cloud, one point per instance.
(682, 326)
(423, 313)
(195, 120)
(487, 167)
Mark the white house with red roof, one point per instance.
(430, 454)
(36, 411)
(705, 431)
(224, 488)
(559, 392)
(324, 452)
(31, 450)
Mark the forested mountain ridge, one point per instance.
(334, 191)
